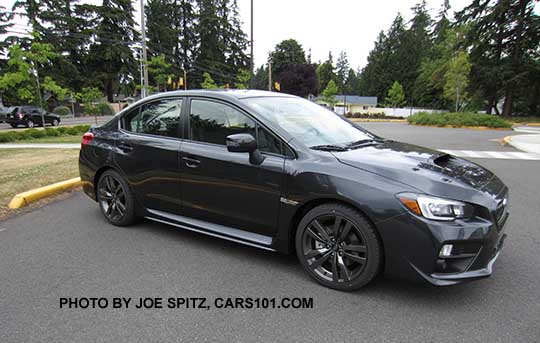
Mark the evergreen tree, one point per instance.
(286, 53)
(396, 97)
(325, 72)
(503, 39)
(111, 58)
(342, 72)
(5, 24)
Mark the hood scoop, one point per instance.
(460, 169)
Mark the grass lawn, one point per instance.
(62, 139)
(25, 169)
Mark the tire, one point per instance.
(14, 125)
(345, 261)
(55, 122)
(29, 124)
(112, 192)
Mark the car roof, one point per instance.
(235, 94)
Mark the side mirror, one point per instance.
(244, 142)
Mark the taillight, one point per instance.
(87, 138)
(20, 115)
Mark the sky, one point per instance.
(320, 25)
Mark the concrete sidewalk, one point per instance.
(527, 129)
(528, 143)
(40, 146)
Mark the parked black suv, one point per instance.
(30, 116)
(281, 173)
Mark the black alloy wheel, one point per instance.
(115, 199)
(338, 247)
(55, 122)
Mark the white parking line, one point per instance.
(506, 155)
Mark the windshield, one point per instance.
(308, 122)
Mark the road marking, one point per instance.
(2, 230)
(506, 155)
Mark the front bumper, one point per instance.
(412, 248)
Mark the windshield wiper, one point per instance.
(328, 147)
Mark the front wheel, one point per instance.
(29, 124)
(115, 199)
(14, 125)
(55, 122)
(338, 247)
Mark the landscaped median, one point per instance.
(49, 135)
(471, 120)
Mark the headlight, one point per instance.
(435, 208)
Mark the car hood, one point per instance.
(430, 171)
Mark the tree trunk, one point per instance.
(109, 90)
(508, 103)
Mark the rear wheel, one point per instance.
(115, 199)
(14, 125)
(29, 124)
(338, 247)
(55, 122)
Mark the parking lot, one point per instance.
(67, 249)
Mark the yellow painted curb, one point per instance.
(507, 139)
(466, 127)
(23, 199)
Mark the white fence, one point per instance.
(405, 112)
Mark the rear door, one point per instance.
(146, 152)
(222, 187)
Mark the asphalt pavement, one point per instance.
(67, 121)
(67, 249)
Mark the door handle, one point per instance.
(191, 162)
(125, 147)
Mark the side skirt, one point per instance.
(215, 230)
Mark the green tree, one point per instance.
(89, 95)
(111, 58)
(329, 93)
(325, 72)
(243, 79)
(457, 79)
(285, 53)
(208, 82)
(396, 97)
(23, 74)
(160, 71)
(503, 42)
(342, 72)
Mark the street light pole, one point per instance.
(144, 57)
(251, 36)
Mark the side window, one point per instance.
(161, 118)
(267, 142)
(212, 122)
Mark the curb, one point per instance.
(366, 120)
(530, 147)
(466, 127)
(23, 199)
(507, 140)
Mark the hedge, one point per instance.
(62, 110)
(12, 136)
(458, 120)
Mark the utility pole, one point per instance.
(251, 36)
(457, 97)
(185, 78)
(145, 62)
(270, 75)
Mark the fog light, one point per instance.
(446, 250)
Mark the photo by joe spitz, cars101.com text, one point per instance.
(281, 173)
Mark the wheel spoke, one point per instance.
(335, 275)
(337, 224)
(120, 208)
(109, 208)
(109, 185)
(104, 194)
(317, 263)
(343, 268)
(345, 232)
(316, 252)
(355, 258)
(321, 231)
(355, 247)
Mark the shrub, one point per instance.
(348, 115)
(9, 136)
(81, 128)
(104, 109)
(458, 120)
(35, 133)
(61, 130)
(62, 110)
(52, 132)
(72, 131)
